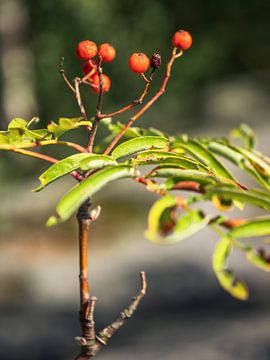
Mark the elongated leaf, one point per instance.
(66, 124)
(166, 158)
(131, 132)
(141, 143)
(224, 276)
(258, 258)
(246, 134)
(253, 197)
(28, 134)
(165, 228)
(81, 192)
(176, 175)
(251, 228)
(84, 161)
(201, 153)
(245, 160)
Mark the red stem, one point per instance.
(174, 56)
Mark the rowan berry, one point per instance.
(86, 50)
(105, 81)
(139, 62)
(107, 52)
(89, 66)
(182, 39)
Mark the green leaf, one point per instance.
(225, 277)
(84, 161)
(131, 132)
(245, 160)
(254, 197)
(137, 144)
(95, 161)
(247, 135)
(17, 123)
(201, 153)
(81, 192)
(258, 258)
(257, 227)
(165, 228)
(167, 158)
(176, 175)
(66, 124)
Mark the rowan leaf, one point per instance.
(72, 200)
(226, 277)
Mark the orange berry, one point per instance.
(139, 62)
(107, 52)
(182, 39)
(88, 66)
(86, 50)
(105, 80)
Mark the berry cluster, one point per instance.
(87, 50)
(138, 62)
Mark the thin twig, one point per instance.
(63, 74)
(106, 334)
(93, 131)
(34, 154)
(90, 343)
(38, 143)
(77, 82)
(148, 104)
(135, 102)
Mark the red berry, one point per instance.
(105, 80)
(182, 39)
(89, 66)
(107, 52)
(86, 50)
(139, 62)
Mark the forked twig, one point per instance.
(161, 91)
(91, 345)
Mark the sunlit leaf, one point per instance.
(164, 227)
(66, 124)
(247, 135)
(201, 153)
(141, 143)
(81, 192)
(258, 258)
(245, 160)
(225, 277)
(166, 158)
(84, 161)
(251, 228)
(253, 197)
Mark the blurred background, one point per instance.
(221, 81)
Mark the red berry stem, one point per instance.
(161, 91)
(135, 102)
(93, 131)
(77, 82)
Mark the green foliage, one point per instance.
(81, 192)
(226, 278)
(138, 144)
(165, 165)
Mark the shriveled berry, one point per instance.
(105, 81)
(139, 63)
(89, 66)
(182, 39)
(107, 52)
(86, 50)
(155, 61)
